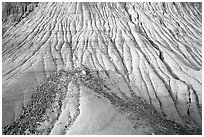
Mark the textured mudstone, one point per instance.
(14, 12)
(147, 50)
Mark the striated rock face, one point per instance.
(147, 57)
(13, 12)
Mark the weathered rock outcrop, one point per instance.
(147, 50)
(13, 12)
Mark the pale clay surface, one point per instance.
(156, 53)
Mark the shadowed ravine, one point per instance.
(117, 68)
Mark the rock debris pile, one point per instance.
(45, 102)
(42, 113)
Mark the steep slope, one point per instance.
(14, 12)
(151, 50)
(81, 102)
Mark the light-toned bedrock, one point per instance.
(147, 50)
(98, 116)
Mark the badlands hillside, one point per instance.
(102, 68)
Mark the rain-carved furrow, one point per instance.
(159, 101)
(184, 79)
(190, 59)
(145, 90)
(155, 71)
(196, 58)
(154, 100)
(194, 77)
(34, 52)
(157, 91)
(170, 70)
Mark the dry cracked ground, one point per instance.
(102, 68)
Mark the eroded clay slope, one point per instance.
(14, 12)
(81, 102)
(154, 48)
